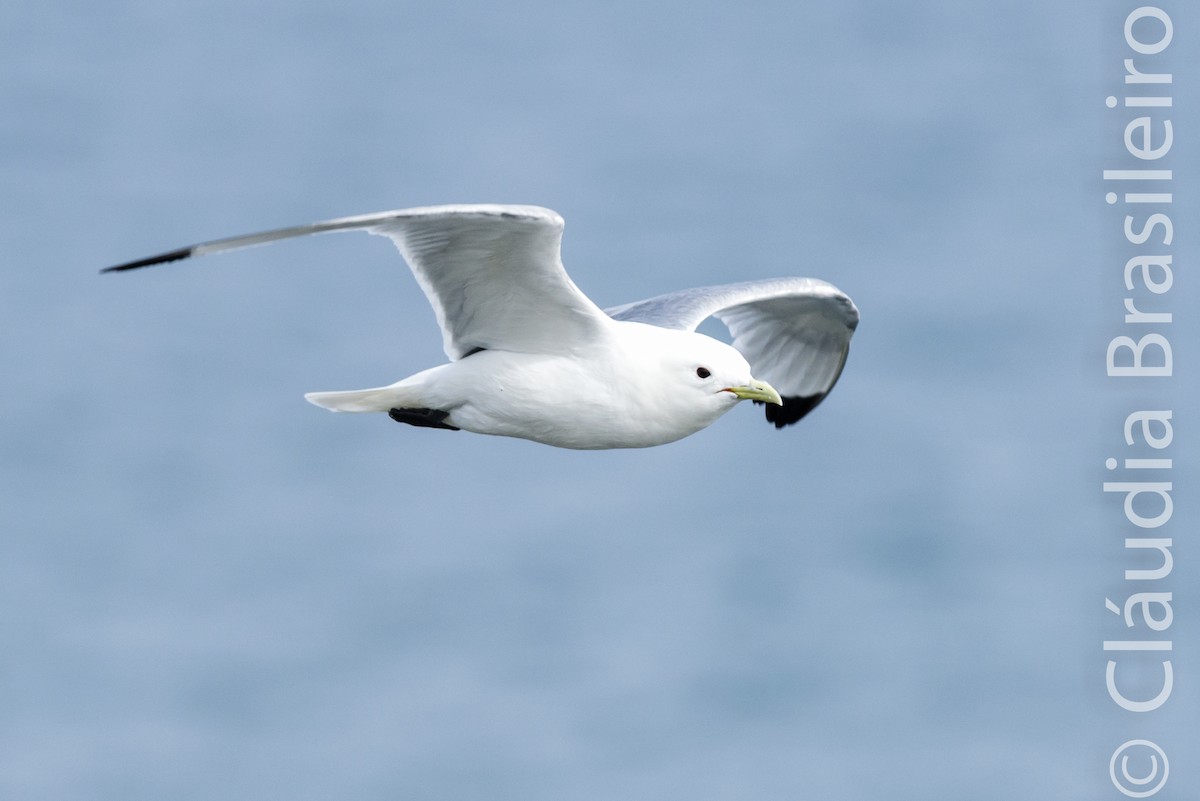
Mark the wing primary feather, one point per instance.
(492, 273)
(374, 222)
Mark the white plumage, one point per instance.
(532, 357)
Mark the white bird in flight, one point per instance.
(532, 357)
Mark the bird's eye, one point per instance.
(702, 372)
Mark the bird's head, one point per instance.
(696, 378)
(714, 370)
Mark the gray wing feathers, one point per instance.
(795, 332)
(492, 273)
(797, 344)
(494, 278)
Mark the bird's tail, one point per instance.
(379, 399)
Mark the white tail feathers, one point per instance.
(379, 399)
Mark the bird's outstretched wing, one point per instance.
(492, 273)
(795, 332)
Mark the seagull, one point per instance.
(530, 356)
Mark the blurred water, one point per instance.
(212, 590)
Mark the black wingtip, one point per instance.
(792, 410)
(162, 258)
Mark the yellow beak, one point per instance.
(758, 391)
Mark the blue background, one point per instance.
(210, 589)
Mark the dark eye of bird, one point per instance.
(703, 372)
